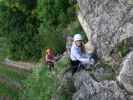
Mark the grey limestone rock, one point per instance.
(106, 22)
(89, 89)
(126, 74)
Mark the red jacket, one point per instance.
(49, 58)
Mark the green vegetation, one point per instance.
(10, 79)
(31, 26)
(27, 28)
(12, 73)
(4, 48)
(123, 48)
(43, 85)
(55, 17)
(7, 92)
(19, 25)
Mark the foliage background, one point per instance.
(31, 26)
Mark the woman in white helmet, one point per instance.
(78, 55)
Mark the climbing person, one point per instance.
(79, 58)
(69, 41)
(50, 59)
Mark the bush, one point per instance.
(4, 48)
(31, 26)
(41, 85)
(19, 24)
(55, 17)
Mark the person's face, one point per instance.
(78, 43)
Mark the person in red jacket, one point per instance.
(50, 59)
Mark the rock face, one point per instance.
(101, 74)
(106, 21)
(89, 89)
(130, 44)
(126, 74)
(106, 24)
(88, 86)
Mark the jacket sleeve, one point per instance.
(79, 57)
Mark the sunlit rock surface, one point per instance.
(106, 22)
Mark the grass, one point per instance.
(12, 73)
(7, 92)
(9, 76)
(62, 64)
(43, 84)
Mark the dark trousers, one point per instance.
(51, 66)
(76, 66)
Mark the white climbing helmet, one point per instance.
(77, 37)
